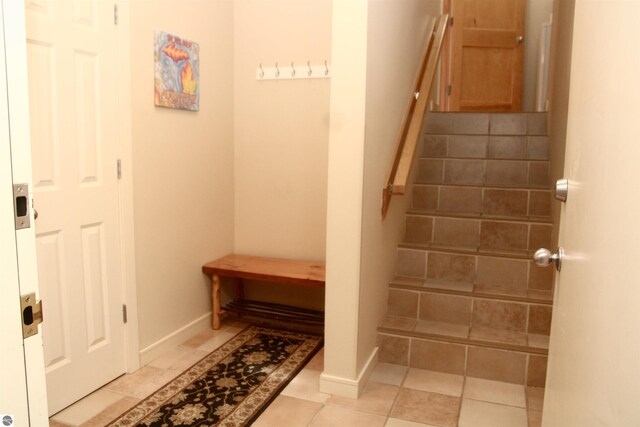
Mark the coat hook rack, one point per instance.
(321, 71)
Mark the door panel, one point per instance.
(73, 111)
(593, 371)
(486, 57)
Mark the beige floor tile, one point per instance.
(54, 423)
(426, 407)
(143, 382)
(188, 360)
(338, 416)
(483, 414)
(435, 382)
(535, 398)
(306, 386)
(217, 340)
(535, 418)
(377, 398)
(396, 422)
(317, 362)
(90, 406)
(169, 358)
(495, 392)
(388, 373)
(288, 411)
(112, 412)
(200, 338)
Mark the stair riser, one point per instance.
(491, 173)
(478, 200)
(471, 312)
(463, 359)
(477, 233)
(487, 124)
(486, 147)
(474, 269)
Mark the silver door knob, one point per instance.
(562, 189)
(519, 39)
(543, 257)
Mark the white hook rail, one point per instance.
(293, 71)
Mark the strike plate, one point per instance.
(31, 314)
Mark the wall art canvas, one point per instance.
(177, 78)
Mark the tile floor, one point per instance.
(396, 396)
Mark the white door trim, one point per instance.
(125, 187)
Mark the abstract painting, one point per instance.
(177, 78)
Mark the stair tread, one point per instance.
(505, 293)
(481, 216)
(509, 159)
(475, 335)
(489, 186)
(469, 250)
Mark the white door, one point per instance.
(72, 91)
(22, 392)
(594, 355)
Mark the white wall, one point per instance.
(396, 34)
(538, 12)
(281, 129)
(183, 167)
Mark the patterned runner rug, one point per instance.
(231, 386)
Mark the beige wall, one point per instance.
(538, 12)
(281, 129)
(182, 165)
(559, 73)
(396, 34)
(375, 54)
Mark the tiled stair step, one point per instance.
(479, 216)
(519, 365)
(486, 123)
(461, 334)
(487, 147)
(516, 202)
(489, 273)
(486, 291)
(473, 234)
(469, 318)
(532, 174)
(525, 254)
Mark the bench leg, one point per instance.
(215, 302)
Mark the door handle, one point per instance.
(519, 39)
(562, 189)
(543, 258)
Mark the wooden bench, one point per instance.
(292, 272)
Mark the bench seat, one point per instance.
(292, 272)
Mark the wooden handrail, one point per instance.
(412, 122)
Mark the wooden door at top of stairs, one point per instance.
(72, 95)
(486, 57)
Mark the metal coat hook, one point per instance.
(326, 68)
(261, 71)
(293, 70)
(277, 70)
(310, 70)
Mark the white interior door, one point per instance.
(22, 391)
(594, 354)
(72, 90)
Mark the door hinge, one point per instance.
(119, 166)
(124, 313)
(31, 314)
(115, 14)
(451, 21)
(448, 90)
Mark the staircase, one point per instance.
(467, 298)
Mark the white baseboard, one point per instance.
(174, 339)
(347, 387)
